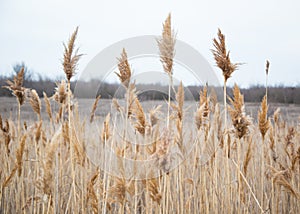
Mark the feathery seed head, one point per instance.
(124, 69)
(264, 122)
(140, 118)
(240, 120)
(35, 102)
(71, 56)
(48, 106)
(222, 56)
(202, 113)
(92, 115)
(153, 115)
(166, 46)
(16, 87)
(61, 92)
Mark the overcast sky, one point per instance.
(33, 31)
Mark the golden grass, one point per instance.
(200, 165)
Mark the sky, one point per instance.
(33, 31)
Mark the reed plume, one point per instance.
(213, 99)
(106, 134)
(92, 197)
(222, 57)
(124, 69)
(248, 157)
(92, 115)
(178, 107)
(203, 110)
(48, 106)
(263, 121)
(203, 96)
(130, 97)
(276, 116)
(60, 92)
(264, 125)
(240, 120)
(7, 135)
(267, 67)
(16, 87)
(140, 118)
(223, 61)
(35, 103)
(153, 115)
(71, 56)
(117, 106)
(38, 132)
(19, 154)
(166, 45)
(199, 117)
(267, 74)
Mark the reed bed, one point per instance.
(169, 158)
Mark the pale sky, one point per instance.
(33, 31)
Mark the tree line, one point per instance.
(92, 88)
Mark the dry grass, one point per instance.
(129, 161)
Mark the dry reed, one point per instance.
(92, 115)
(49, 170)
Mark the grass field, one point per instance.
(195, 179)
(60, 154)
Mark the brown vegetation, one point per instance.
(169, 158)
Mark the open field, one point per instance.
(8, 109)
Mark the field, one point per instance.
(9, 108)
(195, 181)
(60, 154)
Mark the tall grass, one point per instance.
(198, 163)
